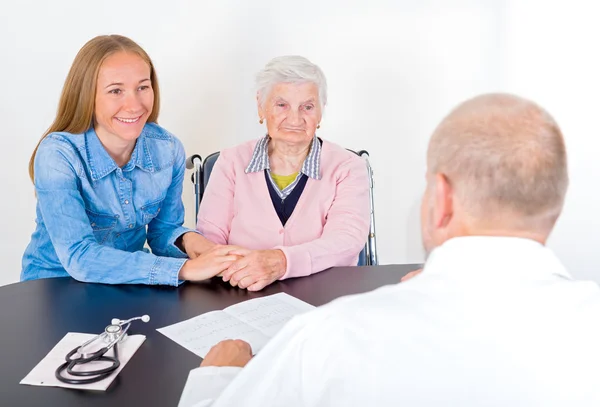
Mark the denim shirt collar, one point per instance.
(101, 163)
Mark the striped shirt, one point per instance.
(311, 166)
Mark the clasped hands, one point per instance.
(243, 268)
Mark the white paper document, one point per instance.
(43, 373)
(254, 321)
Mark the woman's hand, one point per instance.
(194, 244)
(210, 263)
(256, 269)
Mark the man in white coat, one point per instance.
(494, 319)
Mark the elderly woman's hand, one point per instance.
(257, 269)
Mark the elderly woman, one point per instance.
(297, 203)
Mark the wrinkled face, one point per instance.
(124, 98)
(292, 112)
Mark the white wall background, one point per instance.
(394, 67)
(552, 57)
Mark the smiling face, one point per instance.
(124, 98)
(292, 112)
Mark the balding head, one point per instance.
(504, 160)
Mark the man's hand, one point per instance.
(411, 275)
(257, 269)
(194, 244)
(228, 353)
(209, 264)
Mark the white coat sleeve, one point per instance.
(300, 366)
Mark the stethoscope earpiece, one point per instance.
(117, 321)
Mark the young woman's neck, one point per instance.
(119, 150)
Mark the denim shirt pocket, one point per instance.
(102, 224)
(151, 210)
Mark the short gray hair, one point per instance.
(503, 154)
(290, 69)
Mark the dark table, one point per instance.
(35, 315)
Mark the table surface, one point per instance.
(35, 315)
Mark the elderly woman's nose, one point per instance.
(294, 117)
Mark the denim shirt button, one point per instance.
(93, 224)
(126, 202)
(131, 226)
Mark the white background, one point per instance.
(394, 68)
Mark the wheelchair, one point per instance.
(203, 168)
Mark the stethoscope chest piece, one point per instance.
(114, 333)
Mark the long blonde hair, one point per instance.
(76, 106)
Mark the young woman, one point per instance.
(108, 179)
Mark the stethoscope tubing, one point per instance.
(100, 374)
(99, 356)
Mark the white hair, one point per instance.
(290, 69)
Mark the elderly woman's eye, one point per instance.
(309, 107)
(280, 104)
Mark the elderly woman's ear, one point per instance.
(259, 107)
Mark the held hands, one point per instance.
(210, 263)
(228, 353)
(251, 269)
(194, 244)
(256, 269)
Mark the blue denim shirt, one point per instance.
(92, 215)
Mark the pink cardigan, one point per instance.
(328, 227)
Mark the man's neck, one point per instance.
(501, 232)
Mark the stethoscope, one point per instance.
(113, 334)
